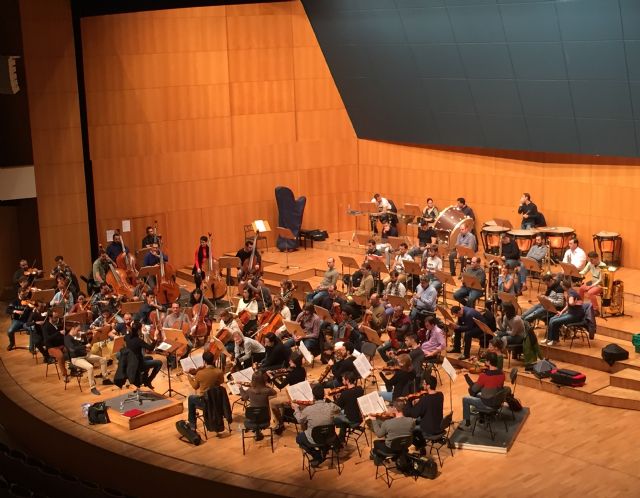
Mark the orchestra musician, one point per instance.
(61, 269)
(376, 310)
(147, 364)
(398, 263)
(430, 212)
(428, 408)
(593, 288)
(400, 326)
(330, 278)
(63, 298)
(434, 342)
(201, 256)
(244, 253)
(196, 297)
(571, 313)
(123, 328)
(246, 351)
(392, 428)
(466, 295)
(321, 412)
(152, 258)
(82, 358)
(431, 263)
(575, 255)
(100, 267)
(394, 287)
(462, 206)
(330, 298)
(491, 379)
(19, 309)
(383, 205)
(426, 236)
(424, 299)
(150, 239)
(262, 293)
(296, 373)
(23, 269)
(554, 292)
(53, 333)
(106, 318)
(114, 249)
(537, 252)
(34, 326)
(276, 353)
(367, 282)
(466, 239)
(402, 382)
(310, 323)
(248, 304)
(202, 380)
(507, 281)
(150, 306)
(511, 328)
(529, 212)
(290, 301)
(257, 395)
(510, 251)
(466, 326)
(347, 401)
(343, 363)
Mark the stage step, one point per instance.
(617, 397)
(627, 379)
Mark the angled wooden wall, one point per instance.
(196, 115)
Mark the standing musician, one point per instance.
(399, 326)
(295, 374)
(394, 287)
(150, 239)
(529, 212)
(247, 311)
(34, 326)
(426, 236)
(81, 358)
(593, 288)
(462, 206)
(466, 295)
(201, 255)
(392, 428)
(320, 413)
(244, 254)
(202, 380)
(100, 267)
(347, 400)
(19, 309)
(466, 239)
(114, 249)
(431, 263)
(152, 258)
(330, 278)
(402, 382)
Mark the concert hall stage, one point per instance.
(560, 448)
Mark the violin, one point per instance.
(167, 288)
(127, 262)
(382, 415)
(279, 372)
(337, 390)
(32, 272)
(303, 402)
(412, 396)
(325, 373)
(117, 279)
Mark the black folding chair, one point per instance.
(326, 441)
(387, 457)
(257, 418)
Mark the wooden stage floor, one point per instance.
(566, 447)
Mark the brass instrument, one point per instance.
(547, 261)
(612, 292)
(494, 275)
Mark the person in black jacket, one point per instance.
(296, 374)
(402, 382)
(81, 358)
(54, 341)
(343, 364)
(428, 409)
(347, 400)
(277, 354)
(137, 346)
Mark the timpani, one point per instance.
(557, 239)
(609, 246)
(491, 236)
(524, 239)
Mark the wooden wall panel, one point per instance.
(55, 128)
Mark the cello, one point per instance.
(167, 289)
(248, 267)
(199, 327)
(127, 262)
(117, 279)
(213, 276)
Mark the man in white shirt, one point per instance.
(575, 255)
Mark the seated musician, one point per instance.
(555, 294)
(466, 326)
(150, 306)
(431, 263)
(426, 236)
(424, 299)
(593, 288)
(100, 267)
(290, 301)
(201, 256)
(246, 351)
(511, 328)
(257, 395)
(81, 358)
(152, 258)
(276, 353)
(229, 324)
(81, 305)
(383, 205)
(466, 239)
(150, 239)
(394, 287)
(106, 318)
(461, 204)
(376, 310)
(529, 212)
(141, 289)
(64, 299)
(415, 353)
(399, 326)
(507, 281)
(402, 382)
(343, 363)
(61, 269)
(329, 279)
(483, 389)
(397, 264)
(330, 299)
(391, 428)
(149, 367)
(510, 251)
(34, 325)
(430, 212)
(244, 254)
(317, 414)
(537, 252)
(262, 293)
(428, 408)
(347, 400)
(21, 272)
(114, 249)
(196, 297)
(466, 295)
(434, 341)
(19, 309)
(124, 328)
(310, 323)
(367, 282)
(53, 334)
(175, 318)
(571, 313)
(295, 374)
(575, 255)
(202, 380)
(249, 305)
(497, 346)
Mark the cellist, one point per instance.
(114, 249)
(201, 256)
(244, 254)
(100, 267)
(152, 258)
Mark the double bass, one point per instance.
(117, 279)
(127, 262)
(167, 289)
(213, 277)
(248, 266)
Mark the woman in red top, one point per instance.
(491, 380)
(202, 255)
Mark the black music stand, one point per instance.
(549, 308)
(228, 262)
(167, 354)
(286, 234)
(355, 213)
(349, 262)
(532, 266)
(445, 278)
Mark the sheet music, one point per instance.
(163, 346)
(371, 403)
(363, 366)
(234, 388)
(308, 357)
(448, 367)
(193, 361)
(260, 227)
(243, 375)
(300, 391)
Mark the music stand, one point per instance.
(372, 335)
(549, 307)
(485, 330)
(471, 282)
(395, 242)
(571, 271)
(295, 329)
(45, 295)
(286, 234)
(118, 344)
(532, 266)
(349, 262)
(443, 251)
(130, 307)
(398, 301)
(324, 314)
(167, 354)
(149, 271)
(411, 268)
(44, 283)
(464, 251)
(141, 253)
(363, 238)
(444, 278)
(378, 266)
(101, 334)
(371, 210)
(359, 300)
(228, 262)
(80, 317)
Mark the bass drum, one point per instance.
(448, 223)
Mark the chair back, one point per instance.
(368, 349)
(257, 414)
(513, 375)
(324, 435)
(401, 444)
(446, 422)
